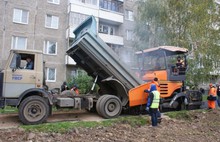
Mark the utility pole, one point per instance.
(35, 20)
(4, 28)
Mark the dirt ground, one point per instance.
(204, 126)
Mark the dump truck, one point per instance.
(119, 89)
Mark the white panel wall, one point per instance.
(116, 17)
(112, 39)
(87, 10)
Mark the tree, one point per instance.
(82, 81)
(191, 24)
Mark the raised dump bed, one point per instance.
(92, 54)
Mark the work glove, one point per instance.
(147, 109)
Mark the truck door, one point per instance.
(19, 75)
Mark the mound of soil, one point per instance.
(200, 126)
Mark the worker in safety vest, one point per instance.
(155, 81)
(153, 104)
(212, 96)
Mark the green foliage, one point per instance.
(190, 24)
(83, 81)
(185, 115)
(8, 109)
(62, 127)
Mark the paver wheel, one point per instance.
(33, 110)
(110, 106)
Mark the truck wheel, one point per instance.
(33, 110)
(98, 103)
(110, 106)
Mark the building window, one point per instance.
(106, 29)
(93, 2)
(51, 74)
(51, 21)
(129, 15)
(19, 42)
(50, 47)
(112, 5)
(129, 35)
(54, 1)
(20, 16)
(76, 18)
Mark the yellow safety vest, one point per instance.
(156, 99)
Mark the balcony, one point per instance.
(86, 9)
(111, 10)
(111, 17)
(113, 39)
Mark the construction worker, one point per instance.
(179, 65)
(212, 96)
(75, 88)
(153, 101)
(155, 81)
(179, 62)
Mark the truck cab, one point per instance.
(22, 85)
(15, 75)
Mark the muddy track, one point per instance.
(12, 120)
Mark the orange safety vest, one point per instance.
(75, 90)
(212, 94)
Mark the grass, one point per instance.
(8, 110)
(62, 127)
(204, 97)
(179, 114)
(183, 115)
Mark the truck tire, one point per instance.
(98, 103)
(110, 106)
(33, 110)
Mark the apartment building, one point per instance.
(115, 23)
(47, 25)
(37, 25)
